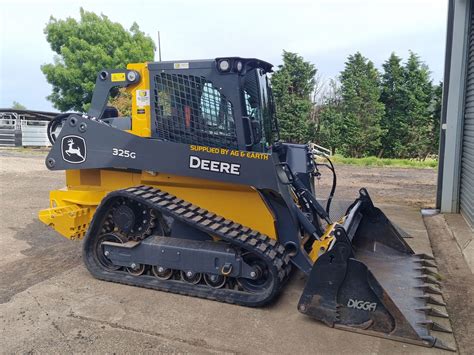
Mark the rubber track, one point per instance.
(269, 250)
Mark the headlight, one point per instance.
(239, 66)
(224, 65)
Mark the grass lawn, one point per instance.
(428, 163)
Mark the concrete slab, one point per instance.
(457, 281)
(463, 234)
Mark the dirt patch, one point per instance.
(49, 255)
(32, 251)
(457, 282)
(413, 187)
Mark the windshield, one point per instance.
(259, 104)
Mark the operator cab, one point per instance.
(222, 102)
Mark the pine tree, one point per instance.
(419, 93)
(437, 107)
(393, 95)
(329, 118)
(362, 111)
(292, 85)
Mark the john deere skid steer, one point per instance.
(195, 194)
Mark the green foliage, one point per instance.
(122, 102)
(386, 162)
(436, 121)
(418, 109)
(396, 117)
(292, 87)
(410, 105)
(393, 96)
(329, 119)
(17, 106)
(362, 111)
(85, 47)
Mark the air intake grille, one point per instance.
(189, 109)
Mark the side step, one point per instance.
(372, 282)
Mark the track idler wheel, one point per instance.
(261, 279)
(191, 277)
(215, 281)
(101, 255)
(136, 269)
(161, 272)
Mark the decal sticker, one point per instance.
(181, 65)
(73, 149)
(230, 152)
(124, 153)
(142, 97)
(117, 77)
(362, 305)
(214, 165)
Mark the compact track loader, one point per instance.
(195, 194)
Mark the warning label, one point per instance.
(143, 98)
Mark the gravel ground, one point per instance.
(411, 187)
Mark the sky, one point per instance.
(324, 32)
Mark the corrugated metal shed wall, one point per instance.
(466, 192)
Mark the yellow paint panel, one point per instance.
(240, 203)
(141, 116)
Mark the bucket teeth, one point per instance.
(427, 263)
(429, 289)
(437, 343)
(430, 325)
(430, 311)
(429, 280)
(425, 256)
(432, 300)
(427, 271)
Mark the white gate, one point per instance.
(34, 133)
(9, 128)
(16, 130)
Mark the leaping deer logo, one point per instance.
(71, 150)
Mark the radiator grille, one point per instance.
(189, 109)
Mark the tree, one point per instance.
(293, 84)
(329, 118)
(437, 107)
(393, 96)
(362, 110)
(17, 106)
(419, 93)
(85, 47)
(122, 102)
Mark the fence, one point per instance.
(33, 134)
(10, 130)
(16, 130)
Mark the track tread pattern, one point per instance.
(267, 249)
